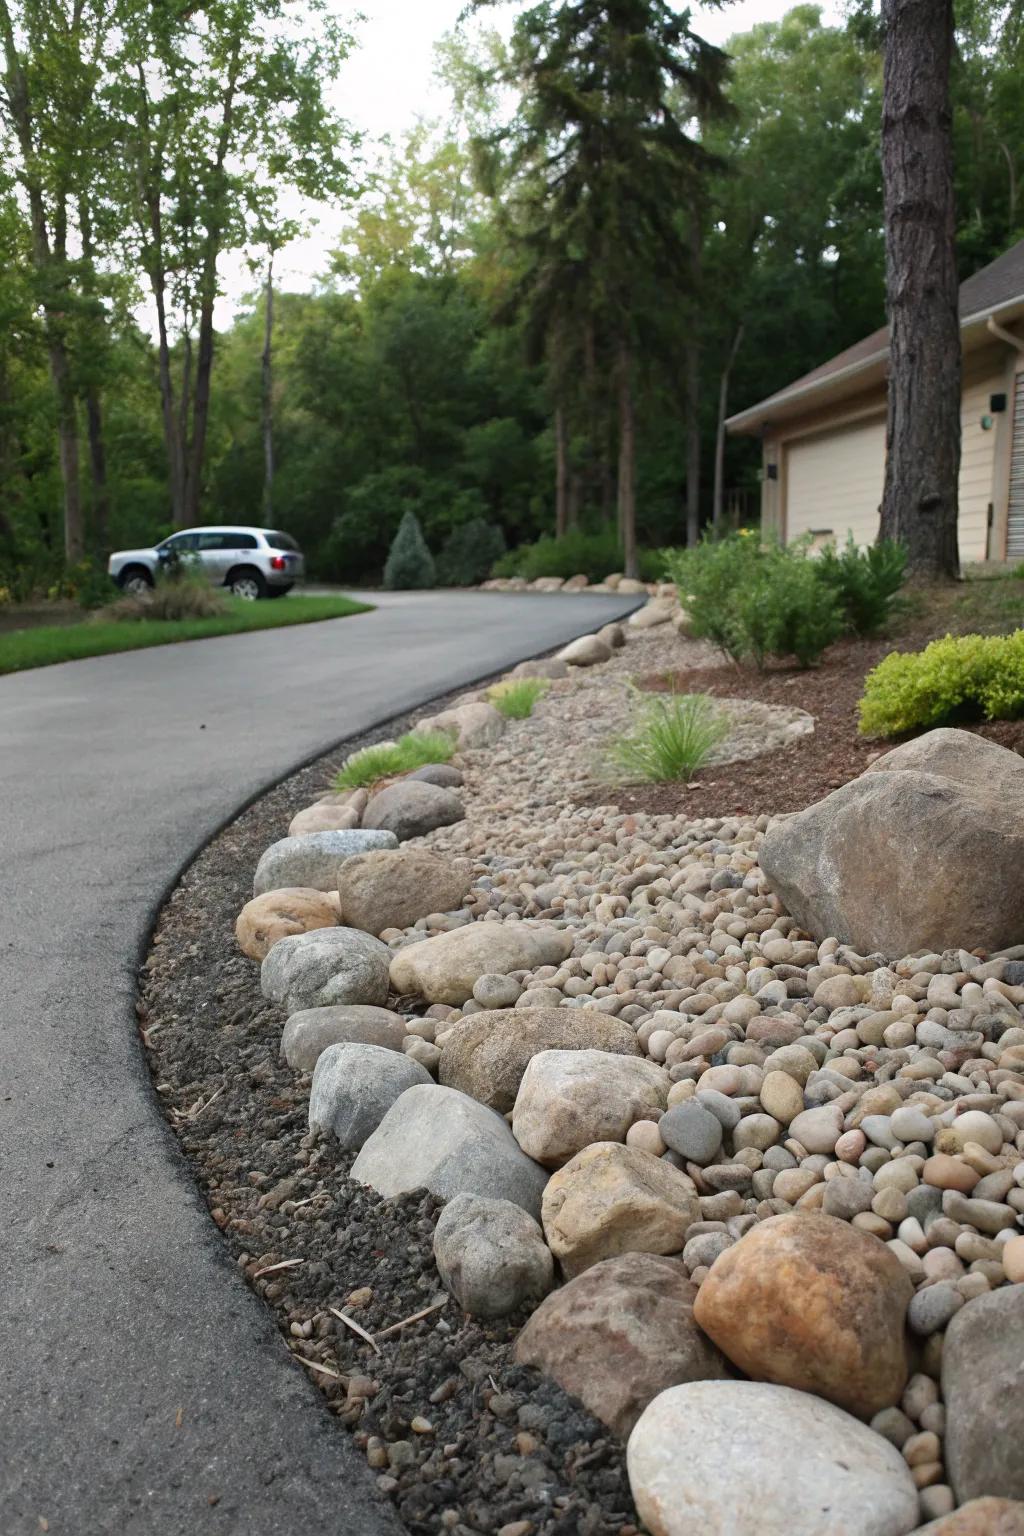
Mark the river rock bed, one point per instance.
(799, 1131)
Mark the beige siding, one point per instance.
(833, 482)
(983, 378)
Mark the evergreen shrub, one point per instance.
(410, 565)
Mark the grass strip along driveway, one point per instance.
(42, 647)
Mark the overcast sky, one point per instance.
(389, 81)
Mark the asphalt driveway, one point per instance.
(143, 1388)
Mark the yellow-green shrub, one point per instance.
(959, 676)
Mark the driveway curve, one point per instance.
(143, 1387)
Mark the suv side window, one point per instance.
(181, 543)
(209, 541)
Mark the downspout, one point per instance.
(1011, 340)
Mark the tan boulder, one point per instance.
(443, 969)
(587, 651)
(278, 914)
(324, 817)
(658, 611)
(610, 1199)
(568, 1100)
(393, 888)
(979, 1517)
(808, 1301)
(617, 1335)
(476, 724)
(487, 1054)
(954, 878)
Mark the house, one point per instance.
(824, 435)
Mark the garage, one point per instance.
(833, 482)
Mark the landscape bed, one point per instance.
(46, 645)
(677, 943)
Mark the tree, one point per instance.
(601, 166)
(919, 502)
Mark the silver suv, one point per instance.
(250, 562)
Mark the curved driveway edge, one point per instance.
(143, 1387)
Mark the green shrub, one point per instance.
(183, 592)
(672, 736)
(593, 555)
(754, 601)
(959, 677)
(865, 580)
(516, 696)
(392, 758)
(410, 565)
(469, 552)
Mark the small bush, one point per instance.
(865, 581)
(961, 677)
(391, 759)
(672, 736)
(754, 601)
(516, 696)
(468, 553)
(181, 593)
(593, 555)
(410, 565)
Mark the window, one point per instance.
(181, 543)
(281, 541)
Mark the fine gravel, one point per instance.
(461, 1438)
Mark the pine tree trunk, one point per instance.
(93, 402)
(268, 396)
(627, 459)
(723, 410)
(692, 366)
(919, 503)
(561, 473)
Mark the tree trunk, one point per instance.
(93, 402)
(919, 503)
(723, 408)
(268, 396)
(627, 459)
(692, 366)
(561, 473)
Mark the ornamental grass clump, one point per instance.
(672, 736)
(516, 696)
(390, 759)
(183, 592)
(960, 677)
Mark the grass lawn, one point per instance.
(41, 647)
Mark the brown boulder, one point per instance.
(805, 1300)
(618, 1335)
(923, 852)
(394, 887)
(981, 1517)
(278, 914)
(487, 1054)
(612, 1199)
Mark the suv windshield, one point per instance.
(281, 541)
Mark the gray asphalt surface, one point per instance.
(143, 1388)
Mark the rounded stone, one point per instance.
(280, 913)
(781, 1096)
(692, 1131)
(493, 991)
(491, 1255)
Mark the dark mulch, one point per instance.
(503, 1445)
(797, 775)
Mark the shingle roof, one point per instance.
(1001, 282)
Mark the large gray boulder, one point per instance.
(412, 808)
(619, 1334)
(392, 888)
(314, 859)
(308, 1033)
(983, 1389)
(434, 1138)
(487, 1054)
(329, 965)
(444, 969)
(728, 1457)
(925, 851)
(491, 1255)
(354, 1086)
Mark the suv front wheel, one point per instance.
(247, 583)
(136, 581)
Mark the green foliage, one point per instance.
(42, 647)
(671, 738)
(593, 555)
(468, 553)
(865, 580)
(755, 601)
(410, 565)
(516, 696)
(958, 677)
(391, 759)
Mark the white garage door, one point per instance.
(834, 482)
